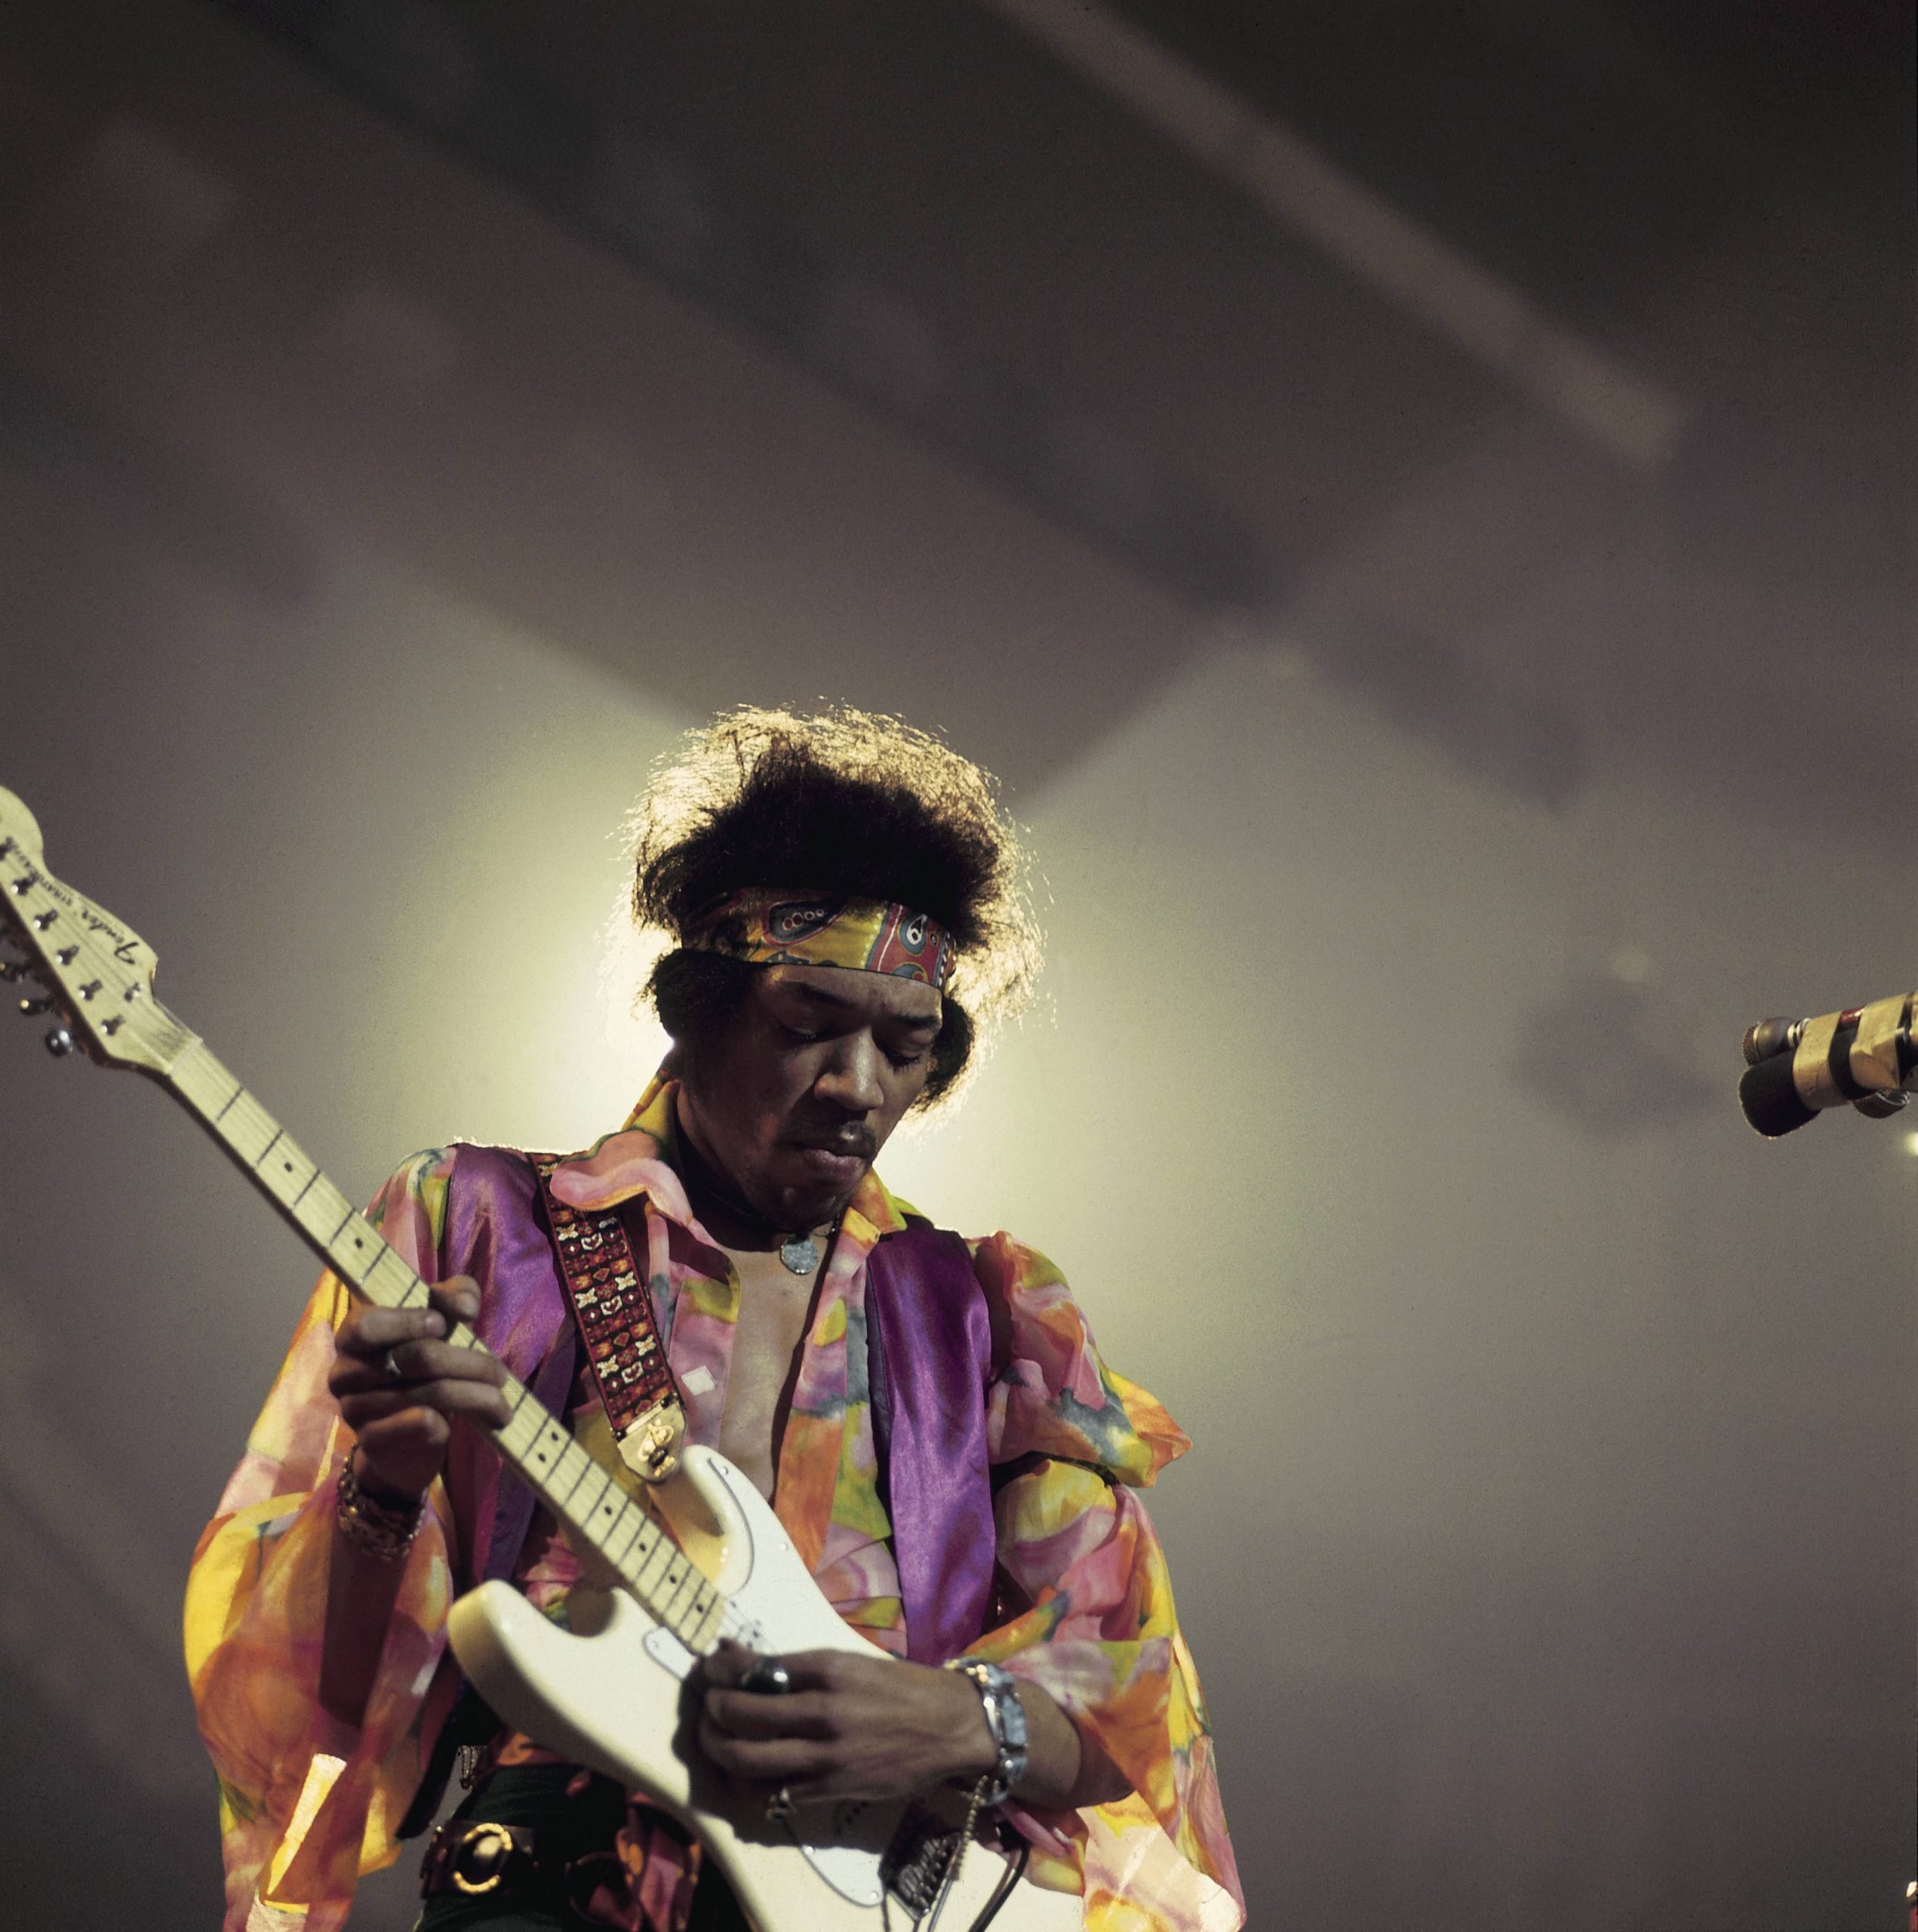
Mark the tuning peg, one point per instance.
(12, 969)
(31, 1007)
(59, 1042)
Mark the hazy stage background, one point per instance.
(1416, 504)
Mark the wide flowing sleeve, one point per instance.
(307, 1803)
(1092, 1619)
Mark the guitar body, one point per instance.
(613, 1693)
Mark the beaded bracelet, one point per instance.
(384, 1531)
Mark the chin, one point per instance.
(810, 1209)
(808, 1198)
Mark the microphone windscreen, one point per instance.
(1764, 1038)
(1770, 1097)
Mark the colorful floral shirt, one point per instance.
(307, 1803)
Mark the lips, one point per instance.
(857, 1143)
(836, 1157)
(842, 1169)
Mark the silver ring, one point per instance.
(768, 1677)
(392, 1368)
(779, 1807)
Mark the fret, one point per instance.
(572, 1469)
(206, 1086)
(287, 1170)
(391, 1283)
(585, 1498)
(516, 1436)
(698, 1607)
(248, 1130)
(639, 1552)
(630, 1521)
(354, 1248)
(603, 1518)
(683, 1591)
(322, 1211)
(545, 1449)
(662, 1591)
(706, 1637)
(659, 1560)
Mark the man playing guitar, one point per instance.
(845, 896)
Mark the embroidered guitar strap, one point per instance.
(613, 1308)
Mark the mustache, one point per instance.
(849, 1137)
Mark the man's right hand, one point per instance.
(399, 1383)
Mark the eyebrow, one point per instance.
(806, 989)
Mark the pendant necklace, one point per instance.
(800, 1253)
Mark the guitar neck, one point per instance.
(597, 1512)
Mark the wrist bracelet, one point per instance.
(385, 1531)
(1005, 1717)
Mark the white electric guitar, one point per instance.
(708, 1560)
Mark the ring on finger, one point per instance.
(392, 1367)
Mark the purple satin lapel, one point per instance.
(929, 1330)
(496, 1231)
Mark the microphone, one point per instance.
(1796, 1068)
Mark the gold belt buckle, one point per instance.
(492, 1842)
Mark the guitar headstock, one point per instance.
(95, 972)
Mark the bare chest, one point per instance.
(774, 1304)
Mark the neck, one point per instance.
(723, 1211)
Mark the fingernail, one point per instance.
(435, 1324)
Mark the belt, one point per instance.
(488, 1856)
(531, 1843)
(553, 1847)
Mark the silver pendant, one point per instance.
(801, 1254)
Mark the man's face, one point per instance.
(794, 1099)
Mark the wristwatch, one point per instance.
(1005, 1717)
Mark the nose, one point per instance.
(850, 1081)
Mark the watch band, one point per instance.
(1005, 1719)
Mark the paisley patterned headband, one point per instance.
(772, 926)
